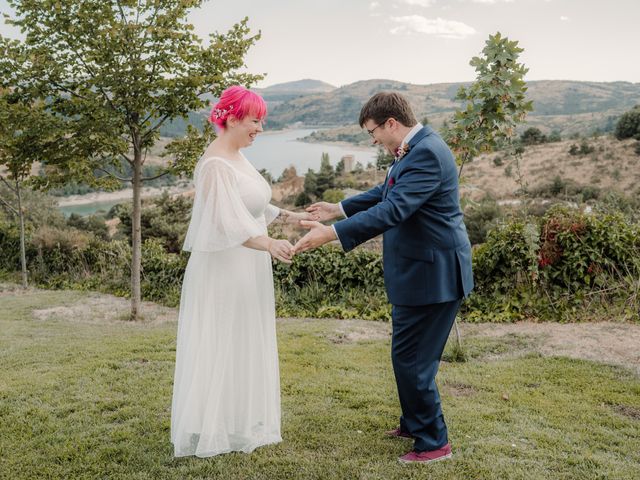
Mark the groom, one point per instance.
(426, 258)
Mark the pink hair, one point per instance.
(239, 102)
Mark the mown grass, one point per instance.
(83, 400)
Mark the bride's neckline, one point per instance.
(237, 165)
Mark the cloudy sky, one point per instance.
(429, 41)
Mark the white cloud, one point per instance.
(438, 27)
(420, 3)
(491, 1)
(564, 19)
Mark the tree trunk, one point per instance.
(136, 233)
(23, 253)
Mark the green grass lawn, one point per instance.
(92, 400)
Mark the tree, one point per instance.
(533, 136)
(25, 135)
(310, 183)
(333, 195)
(629, 124)
(302, 200)
(326, 177)
(383, 159)
(116, 71)
(495, 102)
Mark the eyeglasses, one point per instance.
(370, 132)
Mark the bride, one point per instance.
(226, 392)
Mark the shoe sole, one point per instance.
(400, 437)
(444, 457)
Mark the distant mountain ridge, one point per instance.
(566, 106)
(562, 105)
(282, 92)
(302, 86)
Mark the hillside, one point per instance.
(281, 92)
(612, 165)
(566, 106)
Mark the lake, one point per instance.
(273, 152)
(279, 150)
(90, 208)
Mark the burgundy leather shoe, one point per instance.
(397, 433)
(427, 457)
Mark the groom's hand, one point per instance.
(323, 211)
(318, 234)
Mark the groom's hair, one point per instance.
(385, 105)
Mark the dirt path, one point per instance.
(606, 342)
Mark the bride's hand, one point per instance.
(323, 211)
(281, 250)
(295, 217)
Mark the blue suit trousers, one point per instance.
(419, 336)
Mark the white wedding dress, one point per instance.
(226, 392)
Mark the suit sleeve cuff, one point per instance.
(342, 210)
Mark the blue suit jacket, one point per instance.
(426, 249)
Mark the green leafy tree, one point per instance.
(383, 159)
(26, 133)
(533, 136)
(629, 124)
(116, 71)
(333, 195)
(326, 177)
(310, 183)
(494, 104)
(302, 200)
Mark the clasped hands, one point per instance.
(317, 235)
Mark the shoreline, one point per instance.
(124, 194)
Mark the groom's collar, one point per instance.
(416, 128)
(419, 134)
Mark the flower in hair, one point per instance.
(402, 150)
(219, 113)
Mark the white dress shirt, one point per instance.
(406, 140)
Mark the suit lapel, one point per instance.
(396, 166)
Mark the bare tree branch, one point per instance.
(9, 206)
(9, 186)
(129, 161)
(144, 179)
(111, 174)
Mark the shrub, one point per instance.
(302, 199)
(166, 219)
(567, 266)
(93, 223)
(333, 195)
(533, 136)
(481, 217)
(628, 125)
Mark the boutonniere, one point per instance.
(402, 150)
(391, 182)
